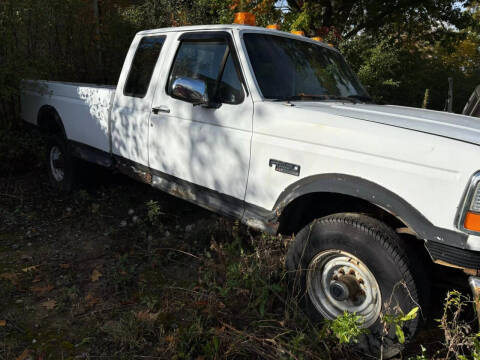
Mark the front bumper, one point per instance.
(467, 260)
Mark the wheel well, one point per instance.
(308, 207)
(49, 121)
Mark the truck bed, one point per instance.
(84, 108)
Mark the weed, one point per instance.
(459, 340)
(130, 333)
(398, 321)
(421, 356)
(153, 211)
(347, 328)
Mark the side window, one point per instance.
(230, 89)
(210, 61)
(142, 66)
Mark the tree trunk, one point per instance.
(96, 14)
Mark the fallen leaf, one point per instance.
(49, 304)
(38, 278)
(10, 276)
(91, 300)
(30, 268)
(201, 303)
(146, 315)
(65, 266)
(24, 354)
(41, 290)
(3, 322)
(169, 338)
(95, 275)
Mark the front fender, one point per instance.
(375, 194)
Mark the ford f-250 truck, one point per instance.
(275, 129)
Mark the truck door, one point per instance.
(209, 147)
(133, 99)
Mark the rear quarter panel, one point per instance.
(83, 108)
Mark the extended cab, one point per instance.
(275, 129)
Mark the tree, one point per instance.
(347, 18)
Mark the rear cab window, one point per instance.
(143, 65)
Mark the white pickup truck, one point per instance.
(275, 129)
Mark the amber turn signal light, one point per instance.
(273, 26)
(472, 221)
(298, 32)
(244, 18)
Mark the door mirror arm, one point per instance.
(211, 105)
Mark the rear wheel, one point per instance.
(354, 263)
(60, 164)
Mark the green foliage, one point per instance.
(57, 40)
(377, 66)
(164, 13)
(242, 276)
(421, 356)
(459, 339)
(474, 349)
(349, 18)
(153, 211)
(398, 321)
(398, 49)
(398, 72)
(347, 328)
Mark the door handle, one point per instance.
(162, 108)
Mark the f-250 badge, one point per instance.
(285, 167)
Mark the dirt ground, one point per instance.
(119, 270)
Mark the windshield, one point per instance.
(287, 68)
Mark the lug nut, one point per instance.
(361, 282)
(341, 271)
(352, 272)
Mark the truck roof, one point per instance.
(208, 27)
(233, 27)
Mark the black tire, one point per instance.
(64, 163)
(381, 251)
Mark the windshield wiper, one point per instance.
(316, 97)
(364, 98)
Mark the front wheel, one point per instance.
(60, 164)
(353, 263)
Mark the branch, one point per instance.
(355, 30)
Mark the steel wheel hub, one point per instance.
(338, 281)
(57, 163)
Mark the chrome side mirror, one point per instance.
(190, 90)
